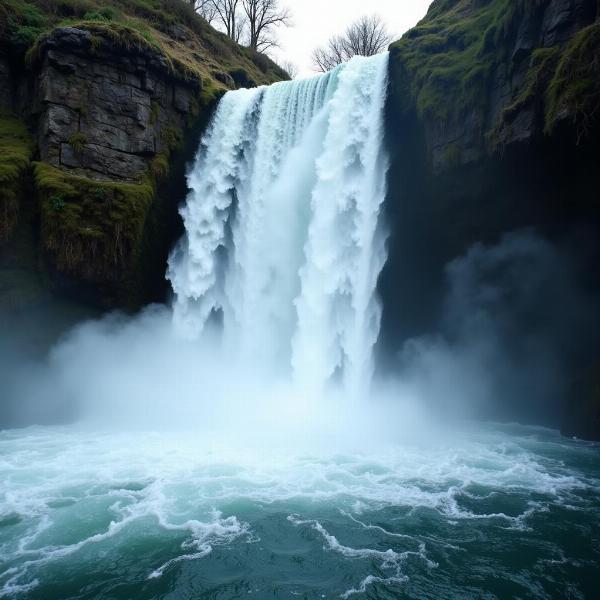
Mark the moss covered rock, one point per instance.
(171, 28)
(574, 89)
(115, 94)
(92, 228)
(16, 149)
(483, 74)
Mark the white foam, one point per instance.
(370, 580)
(204, 535)
(388, 559)
(177, 482)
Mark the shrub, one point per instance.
(159, 167)
(77, 141)
(104, 14)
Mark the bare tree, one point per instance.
(234, 17)
(290, 68)
(330, 56)
(206, 9)
(240, 28)
(226, 14)
(365, 37)
(263, 17)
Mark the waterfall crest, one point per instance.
(283, 226)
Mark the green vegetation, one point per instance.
(159, 167)
(21, 22)
(15, 155)
(92, 228)
(241, 78)
(452, 155)
(541, 67)
(172, 139)
(195, 51)
(98, 230)
(446, 64)
(575, 87)
(95, 228)
(77, 141)
(450, 56)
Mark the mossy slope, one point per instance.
(91, 227)
(451, 54)
(574, 89)
(15, 154)
(191, 47)
(447, 66)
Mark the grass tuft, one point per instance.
(77, 141)
(575, 87)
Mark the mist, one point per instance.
(138, 373)
(517, 323)
(499, 353)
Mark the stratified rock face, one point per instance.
(103, 112)
(115, 104)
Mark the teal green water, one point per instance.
(504, 512)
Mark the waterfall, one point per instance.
(283, 232)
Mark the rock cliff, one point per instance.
(485, 74)
(493, 124)
(102, 102)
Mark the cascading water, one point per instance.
(283, 228)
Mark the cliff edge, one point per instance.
(493, 126)
(101, 103)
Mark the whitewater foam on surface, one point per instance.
(72, 494)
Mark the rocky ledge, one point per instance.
(100, 117)
(104, 113)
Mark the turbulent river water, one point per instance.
(501, 512)
(234, 447)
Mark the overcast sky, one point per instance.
(314, 21)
